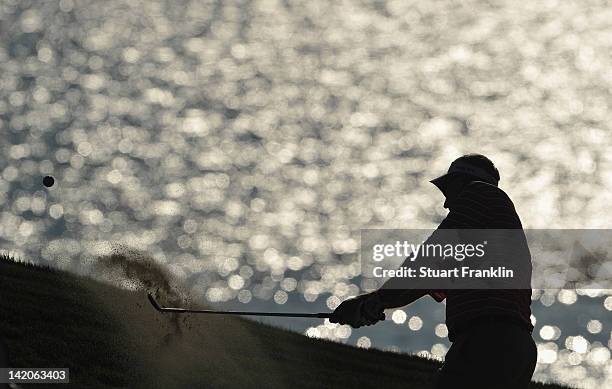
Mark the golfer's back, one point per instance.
(484, 206)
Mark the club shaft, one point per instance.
(246, 313)
(319, 315)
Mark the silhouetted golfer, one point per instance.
(490, 330)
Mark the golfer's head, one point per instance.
(465, 169)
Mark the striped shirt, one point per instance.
(479, 206)
(483, 206)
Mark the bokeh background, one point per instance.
(244, 144)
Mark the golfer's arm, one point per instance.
(391, 292)
(395, 298)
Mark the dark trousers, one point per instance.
(492, 355)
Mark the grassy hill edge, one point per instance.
(111, 338)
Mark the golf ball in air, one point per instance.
(48, 181)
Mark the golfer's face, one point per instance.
(452, 189)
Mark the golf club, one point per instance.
(240, 313)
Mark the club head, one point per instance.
(153, 302)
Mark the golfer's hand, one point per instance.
(360, 311)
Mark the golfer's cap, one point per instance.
(463, 165)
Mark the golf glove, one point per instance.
(360, 311)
